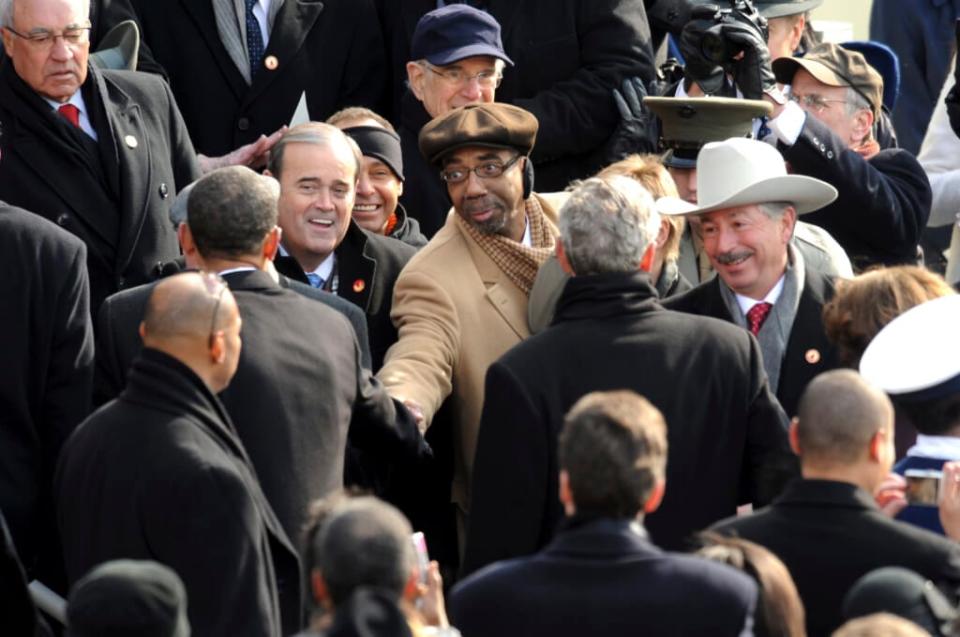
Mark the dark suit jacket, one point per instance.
(331, 50)
(367, 268)
(299, 388)
(569, 56)
(118, 322)
(726, 447)
(114, 194)
(604, 577)
(883, 202)
(800, 365)
(45, 380)
(829, 534)
(160, 474)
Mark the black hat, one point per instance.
(779, 8)
(904, 593)
(496, 125)
(689, 123)
(127, 597)
(455, 32)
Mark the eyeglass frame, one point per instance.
(818, 106)
(496, 76)
(44, 38)
(504, 167)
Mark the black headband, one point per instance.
(380, 143)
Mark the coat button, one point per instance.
(121, 282)
(243, 123)
(63, 219)
(164, 191)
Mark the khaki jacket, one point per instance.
(456, 312)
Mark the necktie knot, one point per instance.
(757, 315)
(71, 113)
(315, 280)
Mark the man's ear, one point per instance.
(142, 330)
(218, 347)
(271, 243)
(794, 437)
(319, 589)
(563, 260)
(187, 244)
(877, 443)
(646, 262)
(655, 497)
(789, 221)
(412, 589)
(796, 33)
(415, 74)
(8, 43)
(863, 124)
(663, 234)
(565, 494)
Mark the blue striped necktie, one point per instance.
(315, 280)
(254, 39)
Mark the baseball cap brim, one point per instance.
(452, 55)
(805, 194)
(785, 68)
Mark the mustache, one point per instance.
(729, 257)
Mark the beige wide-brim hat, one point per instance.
(740, 172)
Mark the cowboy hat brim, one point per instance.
(805, 194)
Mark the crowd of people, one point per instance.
(479, 317)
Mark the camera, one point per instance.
(715, 47)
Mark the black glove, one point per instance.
(637, 131)
(752, 73)
(953, 97)
(698, 68)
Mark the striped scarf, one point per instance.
(519, 262)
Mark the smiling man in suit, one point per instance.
(100, 153)
(747, 211)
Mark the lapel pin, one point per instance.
(359, 285)
(271, 62)
(812, 356)
(130, 141)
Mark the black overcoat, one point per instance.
(726, 432)
(114, 194)
(809, 352)
(329, 50)
(160, 474)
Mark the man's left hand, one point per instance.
(753, 73)
(637, 130)
(254, 155)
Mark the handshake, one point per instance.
(728, 43)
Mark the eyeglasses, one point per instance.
(215, 285)
(44, 39)
(486, 170)
(814, 102)
(456, 77)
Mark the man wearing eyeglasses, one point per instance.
(100, 153)
(457, 58)
(461, 301)
(826, 131)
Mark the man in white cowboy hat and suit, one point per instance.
(748, 206)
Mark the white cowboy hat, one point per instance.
(740, 172)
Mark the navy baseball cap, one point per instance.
(455, 32)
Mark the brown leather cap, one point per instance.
(834, 65)
(495, 125)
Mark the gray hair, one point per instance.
(607, 224)
(856, 102)
(774, 209)
(6, 13)
(365, 542)
(317, 133)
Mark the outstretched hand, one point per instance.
(253, 155)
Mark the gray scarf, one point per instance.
(775, 332)
(232, 27)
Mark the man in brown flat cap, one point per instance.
(461, 302)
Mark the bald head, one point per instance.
(194, 318)
(838, 415)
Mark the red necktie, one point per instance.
(757, 315)
(71, 113)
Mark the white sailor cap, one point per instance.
(917, 355)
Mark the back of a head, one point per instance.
(780, 612)
(187, 306)
(125, 597)
(862, 306)
(607, 224)
(880, 625)
(838, 414)
(904, 593)
(613, 447)
(230, 211)
(365, 543)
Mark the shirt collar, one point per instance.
(76, 99)
(745, 302)
(527, 239)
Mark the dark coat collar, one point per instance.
(601, 538)
(828, 493)
(253, 280)
(605, 295)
